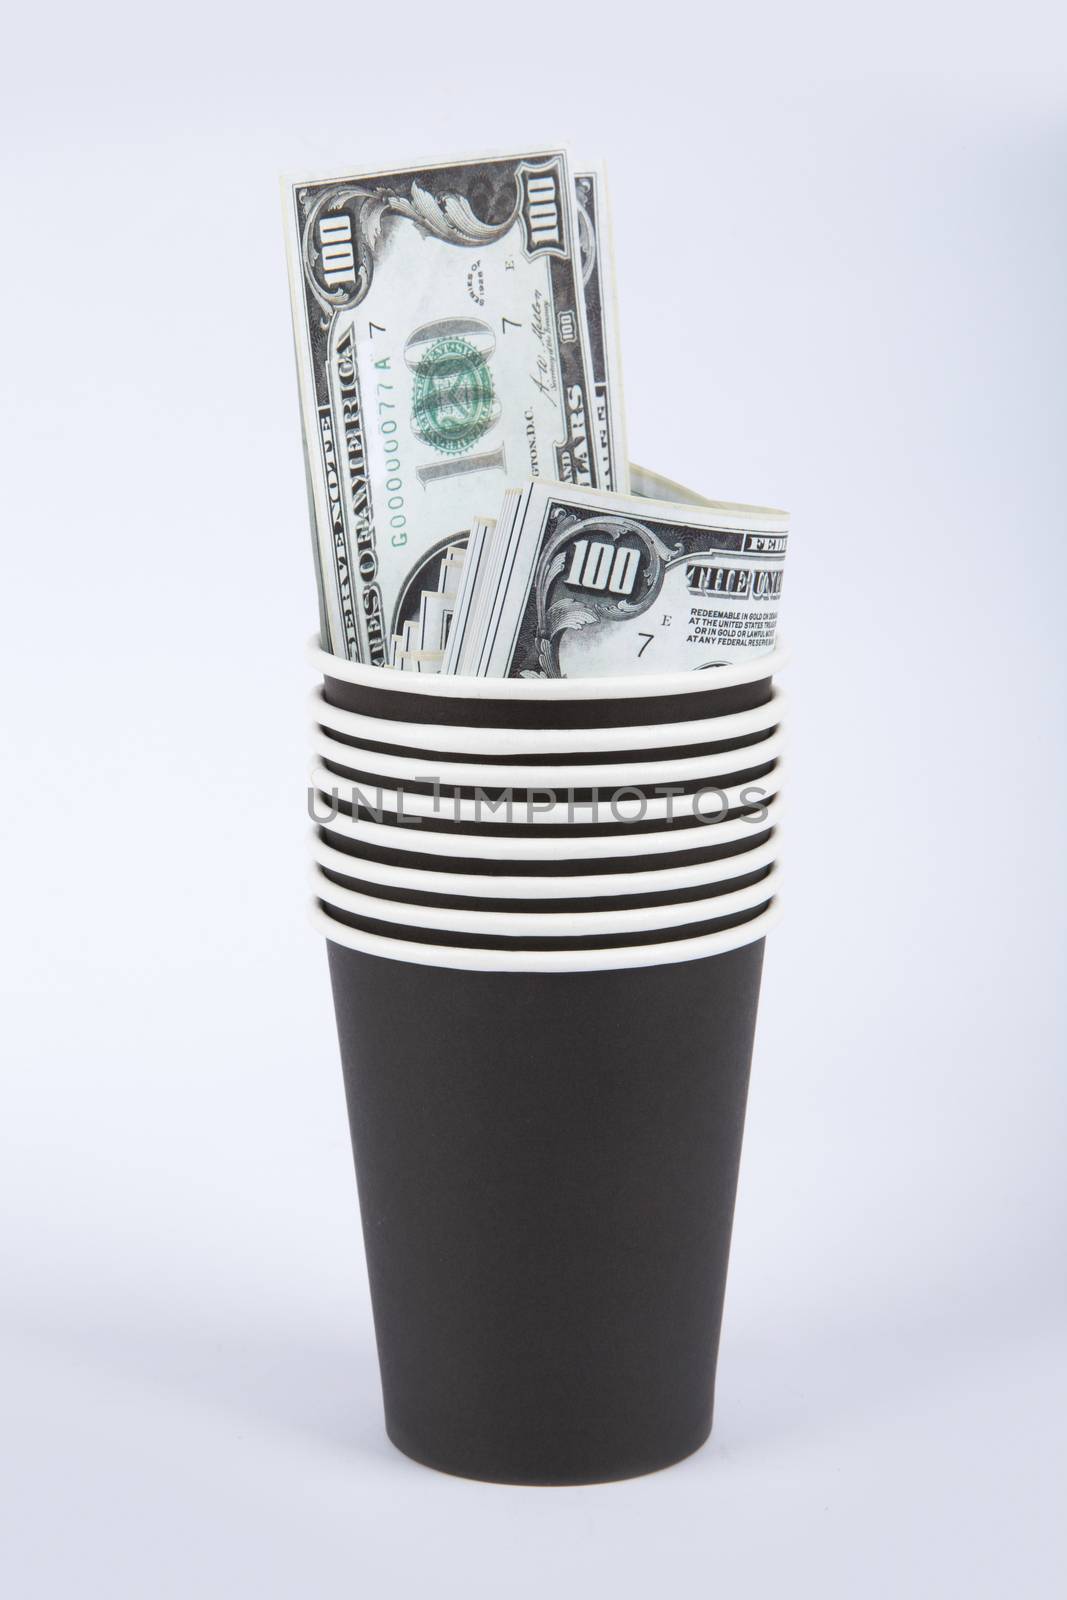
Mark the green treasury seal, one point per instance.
(452, 400)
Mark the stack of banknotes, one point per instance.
(473, 507)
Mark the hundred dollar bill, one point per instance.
(469, 586)
(579, 583)
(651, 485)
(598, 288)
(443, 350)
(420, 646)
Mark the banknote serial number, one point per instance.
(394, 483)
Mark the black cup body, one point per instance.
(698, 924)
(547, 1166)
(399, 705)
(426, 895)
(697, 844)
(367, 804)
(360, 772)
(576, 756)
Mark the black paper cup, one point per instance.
(550, 812)
(546, 746)
(545, 703)
(534, 854)
(399, 932)
(590, 892)
(546, 1150)
(646, 774)
(482, 927)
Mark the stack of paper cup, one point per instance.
(545, 905)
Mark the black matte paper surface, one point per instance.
(547, 1167)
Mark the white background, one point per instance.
(841, 253)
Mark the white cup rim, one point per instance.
(470, 774)
(607, 846)
(457, 738)
(447, 687)
(583, 813)
(582, 886)
(458, 958)
(544, 924)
